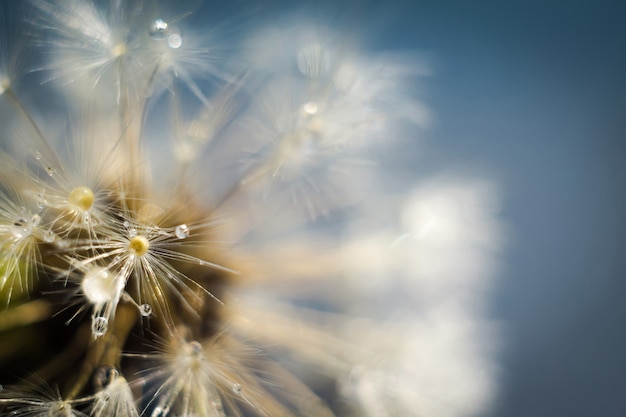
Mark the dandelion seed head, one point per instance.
(118, 50)
(81, 197)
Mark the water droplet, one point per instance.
(236, 389)
(182, 231)
(158, 28)
(174, 41)
(310, 107)
(62, 244)
(195, 348)
(126, 224)
(160, 411)
(38, 156)
(104, 376)
(20, 228)
(145, 310)
(35, 220)
(132, 232)
(98, 286)
(99, 326)
(41, 200)
(86, 217)
(49, 236)
(50, 171)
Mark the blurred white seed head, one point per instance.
(111, 221)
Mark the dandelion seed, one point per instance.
(28, 402)
(138, 245)
(115, 397)
(81, 197)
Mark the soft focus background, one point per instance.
(533, 93)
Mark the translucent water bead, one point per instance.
(145, 310)
(23, 227)
(98, 286)
(182, 231)
(20, 228)
(99, 326)
(158, 28)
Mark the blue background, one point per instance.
(534, 93)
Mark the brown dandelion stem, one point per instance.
(106, 350)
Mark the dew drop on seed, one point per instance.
(38, 156)
(98, 286)
(145, 310)
(160, 411)
(310, 107)
(35, 220)
(182, 231)
(126, 224)
(63, 244)
(132, 232)
(20, 228)
(196, 348)
(48, 236)
(158, 28)
(236, 389)
(50, 171)
(104, 376)
(99, 326)
(41, 200)
(174, 41)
